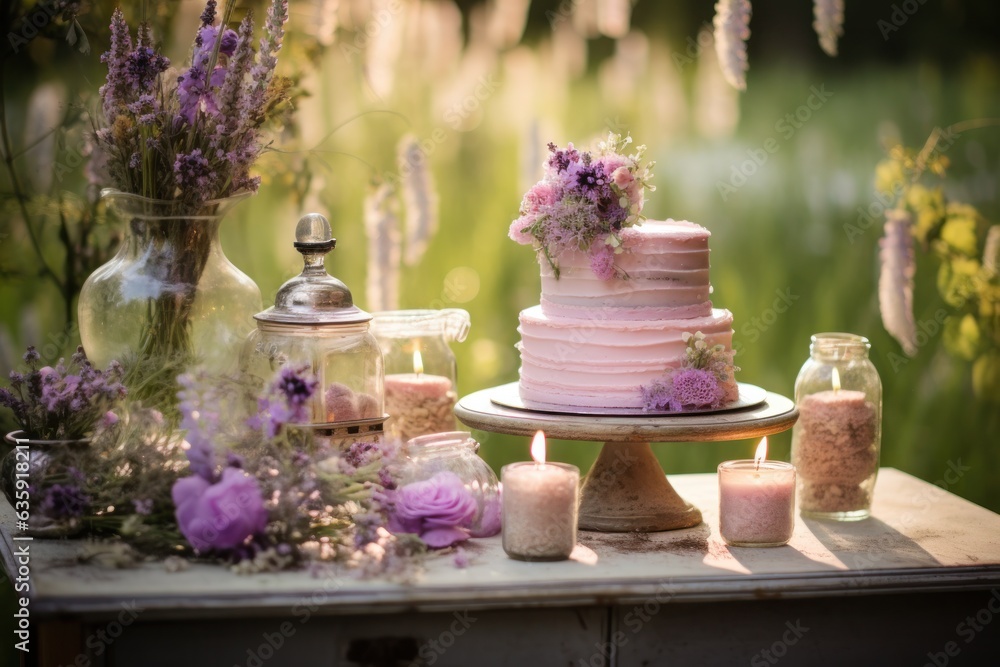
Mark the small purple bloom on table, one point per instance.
(219, 516)
(64, 501)
(286, 401)
(438, 509)
(143, 506)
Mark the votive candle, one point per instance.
(756, 503)
(540, 505)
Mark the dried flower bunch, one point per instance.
(192, 137)
(63, 403)
(703, 380)
(584, 201)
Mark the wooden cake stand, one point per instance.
(626, 490)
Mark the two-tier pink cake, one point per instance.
(594, 343)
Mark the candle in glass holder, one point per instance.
(756, 501)
(419, 403)
(540, 505)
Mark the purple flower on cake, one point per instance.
(219, 516)
(704, 379)
(583, 202)
(438, 509)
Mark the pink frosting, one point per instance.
(593, 342)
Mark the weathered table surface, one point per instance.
(920, 540)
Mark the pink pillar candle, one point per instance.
(419, 404)
(540, 505)
(756, 504)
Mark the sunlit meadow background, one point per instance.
(484, 86)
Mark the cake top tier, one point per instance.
(654, 236)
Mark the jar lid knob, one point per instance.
(313, 232)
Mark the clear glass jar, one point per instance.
(837, 438)
(170, 291)
(314, 322)
(456, 452)
(421, 374)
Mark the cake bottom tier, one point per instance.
(602, 362)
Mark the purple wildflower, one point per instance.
(252, 105)
(142, 66)
(460, 559)
(238, 68)
(202, 422)
(194, 174)
(208, 16)
(64, 501)
(113, 93)
(286, 400)
(143, 506)
(31, 355)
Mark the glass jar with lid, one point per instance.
(456, 452)
(421, 374)
(315, 323)
(837, 438)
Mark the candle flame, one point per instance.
(538, 448)
(761, 454)
(418, 363)
(835, 379)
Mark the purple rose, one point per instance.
(219, 516)
(438, 509)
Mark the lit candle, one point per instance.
(419, 403)
(540, 504)
(835, 451)
(756, 501)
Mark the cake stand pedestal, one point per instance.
(626, 490)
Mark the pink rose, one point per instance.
(622, 177)
(222, 515)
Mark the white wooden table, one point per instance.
(908, 586)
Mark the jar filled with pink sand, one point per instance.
(836, 441)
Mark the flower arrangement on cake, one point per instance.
(584, 201)
(703, 381)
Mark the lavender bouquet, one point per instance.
(190, 137)
(181, 145)
(67, 402)
(584, 201)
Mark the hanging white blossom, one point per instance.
(895, 281)
(382, 231)
(828, 23)
(419, 198)
(732, 30)
(991, 251)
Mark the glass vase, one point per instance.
(837, 439)
(170, 293)
(456, 452)
(32, 465)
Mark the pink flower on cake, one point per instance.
(584, 201)
(602, 262)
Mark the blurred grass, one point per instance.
(783, 230)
